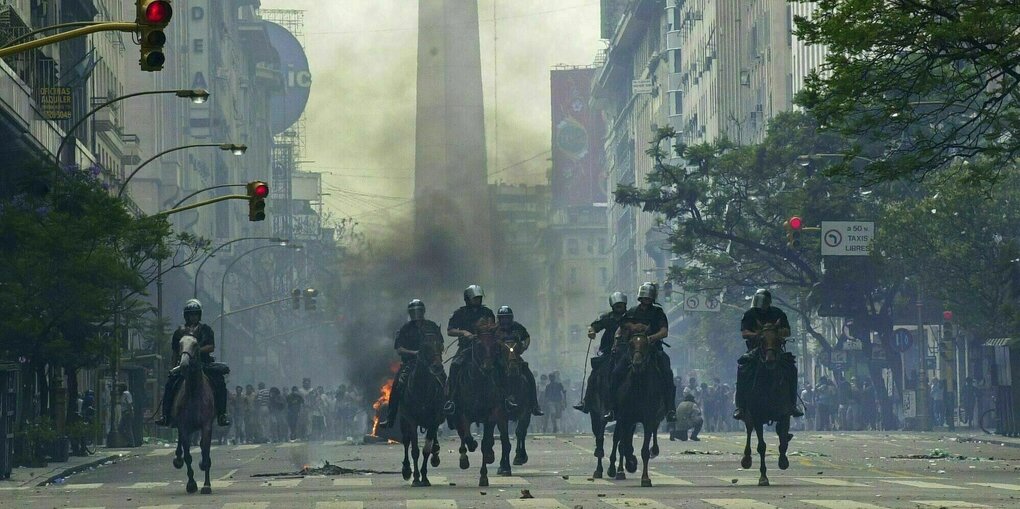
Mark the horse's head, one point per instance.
(485, 346)
(640, 351)
(190, 352)
(771, 343)
(512, 350)
(430, 352)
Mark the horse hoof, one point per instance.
(191, 487)
(488, 457)
(611, 471)
(620, 476)
(425, 483)
(434, 461)
(464, 462)
(505, 472)
(435, 448)
(764, 481)
(655, 451)
(784, 462)
(472, 445)
(416, 484)
(483, 482)
(178, 463)
(646, 483)
(206, 490)
(520, 459)
(745, 462)
(631, 464)
(406, 473)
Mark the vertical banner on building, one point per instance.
(199, 68)
(577, 132)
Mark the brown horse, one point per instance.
(520, 387)
(639, 401)
(193, 411)
(421, 406)
(766, 396)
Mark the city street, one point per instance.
(844, 470)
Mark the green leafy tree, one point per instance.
(923, 86)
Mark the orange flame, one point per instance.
(384, 397)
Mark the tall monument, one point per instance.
(452, 212)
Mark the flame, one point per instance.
(384, 397)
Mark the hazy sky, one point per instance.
(360, 118)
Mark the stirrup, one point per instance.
(738, 414)
(223, 420)
(581, 407)
(671, 416)
(450, 408)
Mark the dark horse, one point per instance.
(479, 399)
(639, 401)
(598, 400)
(421, 406)
(193, 410)
(766, 397)
(519, 385)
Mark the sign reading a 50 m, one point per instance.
(847, 238)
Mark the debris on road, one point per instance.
(326, 470)
(526, 494)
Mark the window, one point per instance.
(572, 280)
(573, 247)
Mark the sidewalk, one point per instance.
(25, 477)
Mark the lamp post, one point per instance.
(197, 96)
(212, 253)
(806, 159)
(232, 147)
(223, 285)
(923, 417)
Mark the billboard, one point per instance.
(579, 169)
(287, 106)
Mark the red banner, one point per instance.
(579, 174)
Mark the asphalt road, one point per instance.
(836, 471)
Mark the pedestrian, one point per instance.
(555, 397)
(278, 412)
(236, 403)
(688, 418)
(967, 400)
(263, 415)
(294, 403)
(250, 414)
(543, 382)
(869, 406)
(127, 416)
(825, 403)
(937, 395)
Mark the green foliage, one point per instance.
(923, 86)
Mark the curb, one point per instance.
(81, 468)
(988, 441)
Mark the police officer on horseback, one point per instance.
(762, 311)
(409, 339)
(463, 325)
(653, 318)
(511, 331)
(607, 323)
(193, 326)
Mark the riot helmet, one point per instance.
(193, 308)
(416, 309)
(472, 292)
(762, 299)
(618, 298)
(505, 316)
(648, 290)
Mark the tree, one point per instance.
(923, 86)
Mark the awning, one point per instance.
(1010, 342)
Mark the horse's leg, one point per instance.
(191, 486)
(206, 463)
(611, 471)
(432, 432)
(405, 438)
(618, 447)
(463, 431)
(745, 462)
(650, 431)
(521, 454)
(504, 441)
(179, 453)
(430, 439)
(655, 443)
(764, 479)
(783, 430)
(631, 463)
(414, 457)
(488, 455)
(598, 428)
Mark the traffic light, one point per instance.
(152, 17)
(296, 298)
(667, 291)
(310, 294)
(257, 193)
(794, 226)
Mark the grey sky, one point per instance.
(360, 118)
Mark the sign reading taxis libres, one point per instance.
(847, 238)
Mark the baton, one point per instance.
(584, 377)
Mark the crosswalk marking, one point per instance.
(221, 484)
(536, 503)
(628, 503)
(926, 484)
(352, 481)
(828, 481)
(291, 444)
(283, 483)
(332, 504)
(442, 503)
(246, 505)
(507, 481)
(227, 475)
(12, 488)
(738, 503)
(842, 504)
(584, 480)
(1001, 486)
(665, 480)
(247, 447)
(438, 480)
(167, 506)
(950, 504)
(166, 451)
(144, 485)
(84, 486)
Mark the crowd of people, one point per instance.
(278, 414)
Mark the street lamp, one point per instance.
(805, 160)
(223, 285)
(225, 244)
(197, 96)
(231, 147)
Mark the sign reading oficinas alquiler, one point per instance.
(55, 103)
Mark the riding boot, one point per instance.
(168, 402)
(795, 405)
(393, 404)
(741, 388)
(449, 408)
(219, 387)
(670, 392)
(536, 410)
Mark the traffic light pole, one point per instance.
(118, 26)
(249, 308)
(203, 203)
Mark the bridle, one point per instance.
(771, 345)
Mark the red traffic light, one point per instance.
(795, 223)
(947, 316)
(158, 12)
(261, 190)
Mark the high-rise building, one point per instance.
(452, 210)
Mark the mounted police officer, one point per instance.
(193, 326)
(463, 325)
(607, 323)
(408, 340)
(762, 311)
(651, 315)
(512, 331)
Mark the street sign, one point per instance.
(698, 302)
(642, 86)
(55, 103)
(902, 340)
(847, 238)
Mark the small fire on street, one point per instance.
(381, 404)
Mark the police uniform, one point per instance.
(465, 318)
(655, 319)
(517, 333)
(753, 320)
(607, 324)
(205, 336)
(411, 336)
